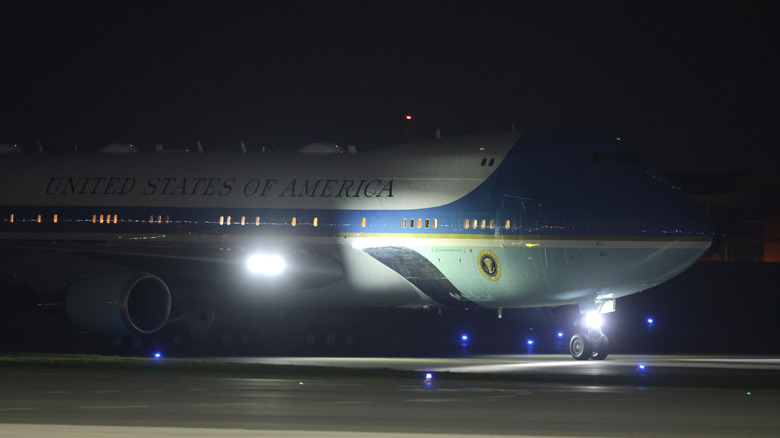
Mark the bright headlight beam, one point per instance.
(593, 320)
(266, 264)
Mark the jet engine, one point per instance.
(119, 302)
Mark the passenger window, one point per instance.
(294, 221)
(403, 223)
(466, 224)
(484, 160)
(411, 223)
(492, 223)
(492, 160)
(507, 224)
(435, 223)
(419, 223)
(363, 223)
(427, 223)
(316, 222)
(482, 224)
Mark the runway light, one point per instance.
(266, 264)
(157, 355)
(642, 366)
(428, 378)
(593, 320)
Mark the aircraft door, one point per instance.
(517, 218)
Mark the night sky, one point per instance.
(693, 85)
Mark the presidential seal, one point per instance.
(489, 265)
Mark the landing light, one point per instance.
(266, 264)
(593, 320)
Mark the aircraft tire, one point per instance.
(580, 347)
(600, 348)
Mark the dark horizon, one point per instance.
(692, 86)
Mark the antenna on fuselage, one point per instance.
(200, 146)
(438, 133)
(243, 147)
(40, 147)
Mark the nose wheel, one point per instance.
(589, 344)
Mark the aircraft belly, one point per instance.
(575, 273)
(490, 276)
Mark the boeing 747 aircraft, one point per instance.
(493, 221)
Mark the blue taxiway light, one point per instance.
(530, 342)
(464, 337)
(560, 334)
(157, 355)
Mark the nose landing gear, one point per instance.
(589, 344)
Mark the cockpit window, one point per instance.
(613, 156)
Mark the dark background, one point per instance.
(692, 86)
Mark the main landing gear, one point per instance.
(588, 341)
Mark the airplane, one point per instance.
(499, 220)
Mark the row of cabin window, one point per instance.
(108, 219)
(159, 219)
(467, 223)
(420, 222)
(482, 224)
(294, 221)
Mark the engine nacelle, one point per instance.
(119, 302)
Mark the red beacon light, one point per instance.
(408, 117)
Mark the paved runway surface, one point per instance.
(698, 371)
(81, 404)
